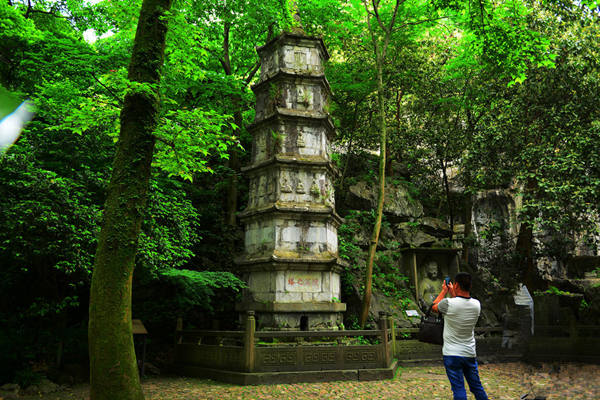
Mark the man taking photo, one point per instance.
(461, 312)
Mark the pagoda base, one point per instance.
(295, 316)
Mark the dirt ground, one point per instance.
(567, 381)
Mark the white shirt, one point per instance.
(460, 316)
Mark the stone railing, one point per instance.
(406, 347)
(565, 343)
(550, 343)
(252, 351)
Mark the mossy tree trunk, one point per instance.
(113, 367)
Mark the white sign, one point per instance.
(412, 313)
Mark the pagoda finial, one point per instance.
(297, 22)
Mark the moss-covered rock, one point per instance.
(410, 235)
(399, 205)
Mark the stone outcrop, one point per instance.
(9, 391)
(435, 227)
(580, 266)
(410, 235)
(403, 234)
(398, 205)
(592, 297)
(45, 386)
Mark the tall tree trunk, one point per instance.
(399, 156)
(380, 53)
(349, 151)
(388, 160)
(234, 165)
(113, 367)
(346, 163)
(233, 162)
(524, 248)
(364, 313)
(236, 99)
(444, 166)
(468, 204)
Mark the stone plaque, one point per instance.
(361, 356)
(208, 354)
(278, 357)
(303, 281)
(319, 356)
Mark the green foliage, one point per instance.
(584, 306)
(544, 143)
(170, 230)
(26, 377)
(553, 290)
(493, 230)
(394, 285)
(53, 180)
(348, 249)
(184, 147)
(337, 159)
(387, 278)
(49, 227)
(197, 287)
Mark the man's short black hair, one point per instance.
(464, 281)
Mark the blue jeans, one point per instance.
(456, 367)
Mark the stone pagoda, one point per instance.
(291, 262)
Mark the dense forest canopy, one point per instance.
(489, 94)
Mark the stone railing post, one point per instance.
(178, 330)
(415, 275)
(249, 341)
(393, 330)
(384, 337)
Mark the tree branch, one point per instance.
(388, 33)
(169, 143)
(421, 21)
(226, 62)
(4, 59)
(223, 65)
(270, 31)
(255, 67)
(373, 39)
(117, 98)
(29, 7)
(377, 17)
(393, 21)
(47, 12)
(211, 51)
(252, 72)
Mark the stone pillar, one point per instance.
(291, 259)
(383, 325)
(249, 342)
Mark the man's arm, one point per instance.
(445, 290)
